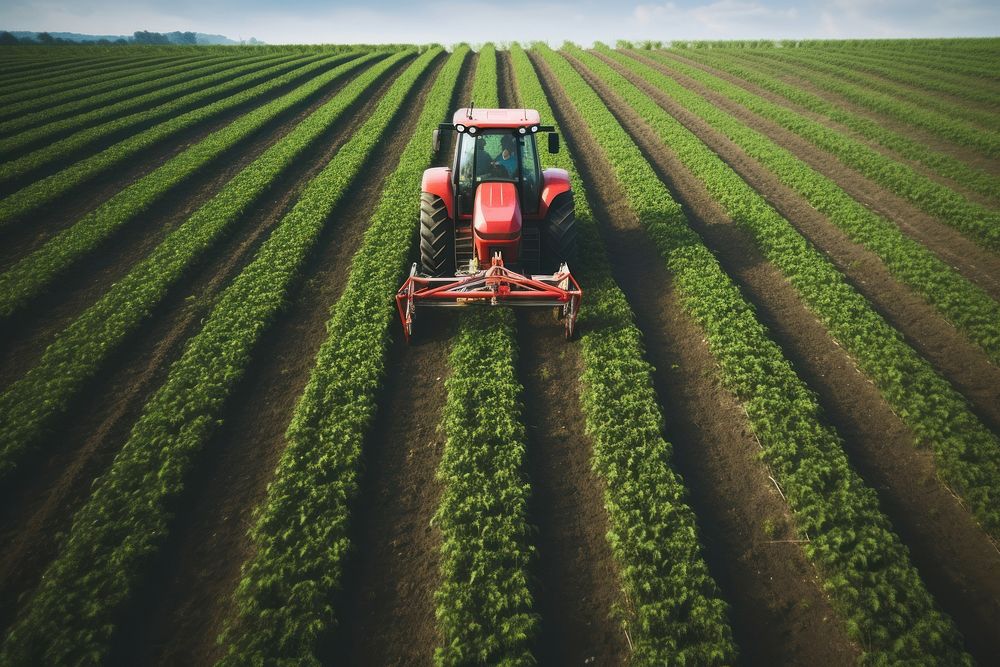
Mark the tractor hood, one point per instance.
(497, 213)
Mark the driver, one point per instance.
(506, 158)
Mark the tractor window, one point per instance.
(481, 158)
(466, 178)
(529, 174)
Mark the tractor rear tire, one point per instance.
(559, 234)
(437, 237)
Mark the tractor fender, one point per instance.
(554, 183)
(437, 181)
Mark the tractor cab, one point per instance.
(495, 227)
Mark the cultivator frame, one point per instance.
(494, 286)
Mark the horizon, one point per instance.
(583, 22)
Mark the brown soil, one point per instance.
(387, 605)
(935, 143)
(43, 83)
(949, 351)
(388, 601)
(974, 262)
(25, 337)
(968, 154)
(193, 84)
(778, 612)
(21, 237)
(46, 501)
(956, 559)
(186, 604)
(109, 140)
(878, 83)
(577, 581)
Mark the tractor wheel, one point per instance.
(559, 234)
(437, 237)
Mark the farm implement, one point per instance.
(495, 228)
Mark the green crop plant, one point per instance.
(676, 613)
(72, 616)
(283, 601)
(978, 222)
(886, 608)
(967, 307)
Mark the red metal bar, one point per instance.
(494, 286)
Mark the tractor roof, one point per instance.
(484, 118)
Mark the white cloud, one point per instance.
(450, 21)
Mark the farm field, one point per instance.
(774, 439)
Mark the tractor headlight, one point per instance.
(472, 130)
(522, 130)
(534, 128)
(460, 127)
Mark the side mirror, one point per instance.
(553, 142)
(437, 140)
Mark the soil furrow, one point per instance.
(577, 582)
(99, 144)
(969, 155)
(779, 613)
(387, 606)
(22, 236)
(28, 333)
(932, 143)
(956, 559)
(963, 363)
(94, 430)
(180, 613)
(974, 262)
(108, 114)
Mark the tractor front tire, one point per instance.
(437, 237)
(559, 234)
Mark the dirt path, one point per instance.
(577, 582)
(181, 612)
(778, 612)
(956, 559)
(24, 338)
(949, 351)
(387, 606)
(934, 143)
(27, 234)
(95, 428)
(974, 262)
(967, 154)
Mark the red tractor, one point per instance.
(495, 228)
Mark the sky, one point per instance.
(474, 21)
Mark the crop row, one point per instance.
(967, 454)
(300, 533)
(37, 85)
(945, 165)
(484, 605)
(20, 115)
(675, 613)
(29, 130)
(20, 69)
(219, 85)
(965, 305)
(966, 62)
(46, 190)
(32, 404)
(865, 567)
(116, 534)
(910, 73)
(911, 108)
(978, 222)
(37, 271)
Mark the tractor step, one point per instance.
(464, 246)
